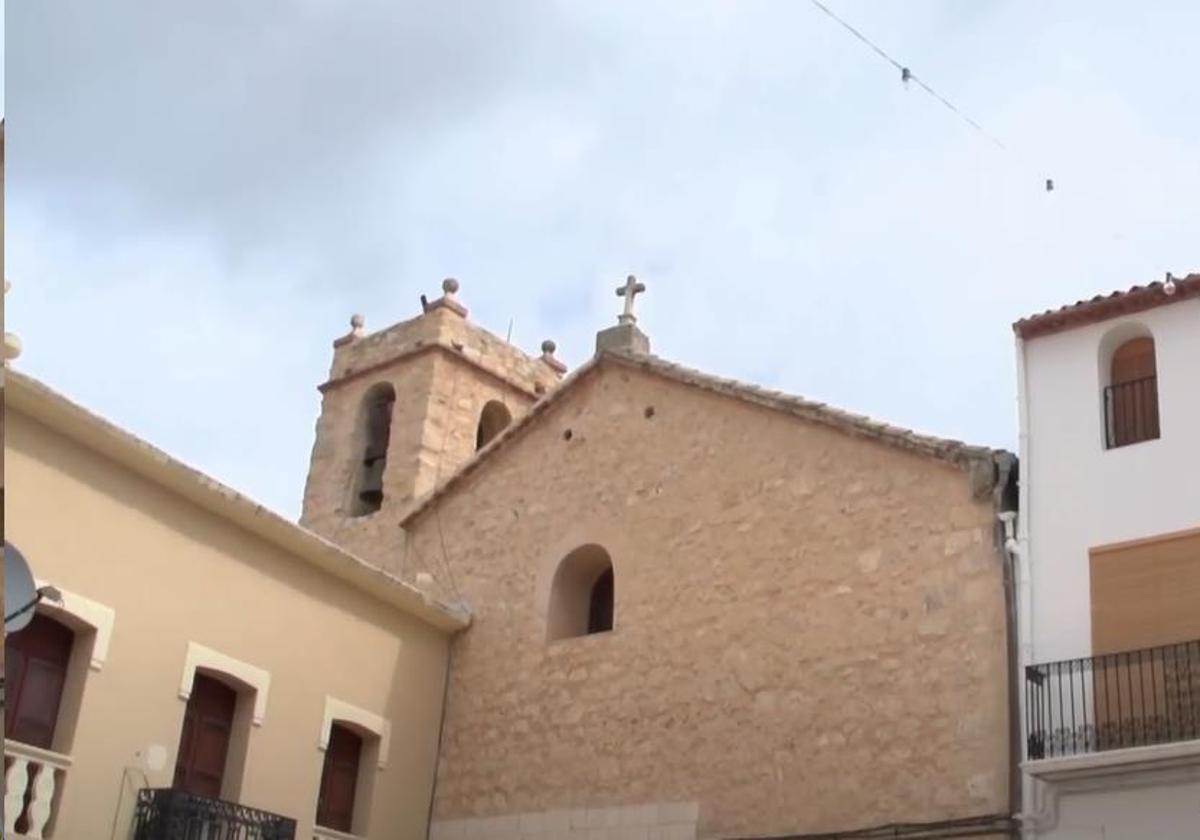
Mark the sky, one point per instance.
(200, 195)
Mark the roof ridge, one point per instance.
(946, 449)
(814, 409)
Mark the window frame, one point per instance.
(378, 393)
(375, 732)
(1141, 392)
(572, 586)
(494, 418)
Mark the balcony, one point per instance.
(1136, 698)
(32, 779)
(1131, 412)
(166, 814)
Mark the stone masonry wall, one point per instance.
(809, 628)
(337, 452)
(446, 328)
(439, 398)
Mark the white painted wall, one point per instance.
(1132, 807)
(1076, 494)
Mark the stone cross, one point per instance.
(629, 291)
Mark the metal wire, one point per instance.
(908, 75)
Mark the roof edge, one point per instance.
(951, 451)
(945, 449)
(1105, 307)
(501, 440)
(32, 397)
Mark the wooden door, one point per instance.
(339, 777)
(35, 671)
(1133, 401)
(204, 741)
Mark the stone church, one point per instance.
(699, 608)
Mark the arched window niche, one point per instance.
(494, 418)
(375, 426)
(582, 594)
(1129, 374)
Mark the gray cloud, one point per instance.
(199, 200)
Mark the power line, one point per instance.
(860, 36)
(906, 75)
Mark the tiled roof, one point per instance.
(953, 451)
(1103, 307)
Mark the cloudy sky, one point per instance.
(200, 194)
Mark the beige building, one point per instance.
(700, 609)
(204, 644)
(635, 603)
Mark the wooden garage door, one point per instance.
(1146, 593)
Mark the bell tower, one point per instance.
(403, 409)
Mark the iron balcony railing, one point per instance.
(1131, 412)
(166, 814)
(1129, 699)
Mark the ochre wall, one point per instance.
(174, 574)
(809, 631)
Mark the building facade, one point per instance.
(635, 603)
(699, 609)
(402, 410)
(1108, 541)
(207, 661)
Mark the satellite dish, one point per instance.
(20, 593)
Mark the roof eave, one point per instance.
(1107, 307)
(29, 396)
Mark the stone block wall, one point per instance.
(809, 627)
(654, 821)
(337, 453)
(445, 328)
(444, 370)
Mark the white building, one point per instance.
(1108, 542)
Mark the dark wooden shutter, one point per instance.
(339, 777)
(35, 671)
(1133, 360)
(204, 741)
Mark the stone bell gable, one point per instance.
(402, 409)
(749, 612)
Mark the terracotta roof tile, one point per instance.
(1103, 307)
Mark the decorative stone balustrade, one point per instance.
(32, 777)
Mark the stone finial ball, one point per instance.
(548, 347)
(357, 321)
(450, 285)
